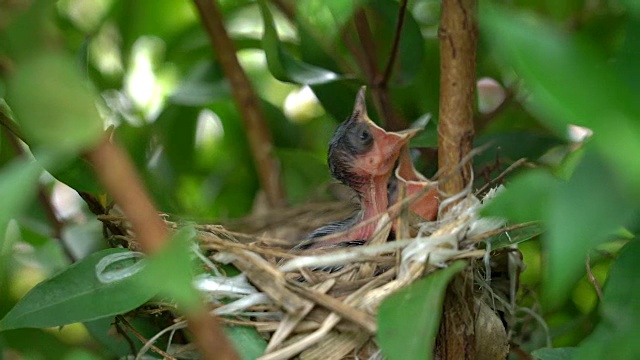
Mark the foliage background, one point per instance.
(154, 78)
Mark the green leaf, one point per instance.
(78, 174)
(58, 117)
(169, 271)
(247, 341)
(570, 83)
(35, 344)
(325, 18)
(408, 320)
(204, 84)
(615, 337)
(75, 295)
(584, 212)
(553, 354)
(282, 65)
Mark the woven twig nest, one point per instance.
(321, 315)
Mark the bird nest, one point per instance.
(332, 315)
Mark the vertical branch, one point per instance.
(119, 177)
(458, 38)
(246, 100)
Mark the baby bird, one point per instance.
(413, 181)
(362, 156)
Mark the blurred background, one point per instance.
(165, 97)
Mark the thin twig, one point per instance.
(139, 336)
(592, 278)
(495, 232)
(499, 178)
(246, 101)
(124, 335)
(396, 43)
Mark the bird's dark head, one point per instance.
(360, 149)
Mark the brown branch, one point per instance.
(458, 40)
(246, 100)
(458, 37)
(118, 175)
(396, 43)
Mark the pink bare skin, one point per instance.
(362, 156)
(427, 205)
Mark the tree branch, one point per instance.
(458, 39)
(118, 175)
(246, 100)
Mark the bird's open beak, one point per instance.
(387, 145)
(413, 181)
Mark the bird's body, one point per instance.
(362, 156)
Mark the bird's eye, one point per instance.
(364, 136)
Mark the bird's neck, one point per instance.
(374, 201)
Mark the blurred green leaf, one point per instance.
(553, 354)
(28, 30)
(584, 211)
(626, 60)
(247, 341)
(282, 65)
(58, 117)
(169, 271)
(408, 320)
(562, 72)
(162, 18)
(204, 84)
(78, 174)
(17, 187)
(35, 344)
(615, 336)
(303, 173)
(325, 19)
(76, 294)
